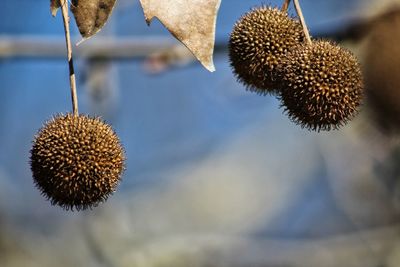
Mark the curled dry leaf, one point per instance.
(54, 6)
(191, 21)
(91, 15)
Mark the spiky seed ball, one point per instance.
(257, 42)
(323, 85)
(76, 161)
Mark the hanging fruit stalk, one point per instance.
(76, 161)
(72, 81)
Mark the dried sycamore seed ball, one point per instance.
(323, 85)
(256, 45)
(76, 161)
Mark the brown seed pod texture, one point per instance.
(76, 161)
(256, 45)
(323, 85)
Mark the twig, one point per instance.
(303, 23)
(285, 6)
(72, 82)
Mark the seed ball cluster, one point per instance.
(322, 85)
(256, 45)
(76, 161)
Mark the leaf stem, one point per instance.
(285, 6)
(303, 22)
(72, 82)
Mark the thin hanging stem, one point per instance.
(72, 82)
(303, 22)
(285, 6)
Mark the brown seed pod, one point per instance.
(323, 85)
(76, 161)
(256, 45)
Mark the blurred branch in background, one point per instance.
(160, 61)
(102, 47)
(354, 29)
(160, 53)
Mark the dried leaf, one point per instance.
(91, 15)
(191, 21)
(54, 6)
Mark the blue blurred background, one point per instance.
(216, 175)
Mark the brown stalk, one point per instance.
(285, 6)
(72, 82)
(303, 22)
